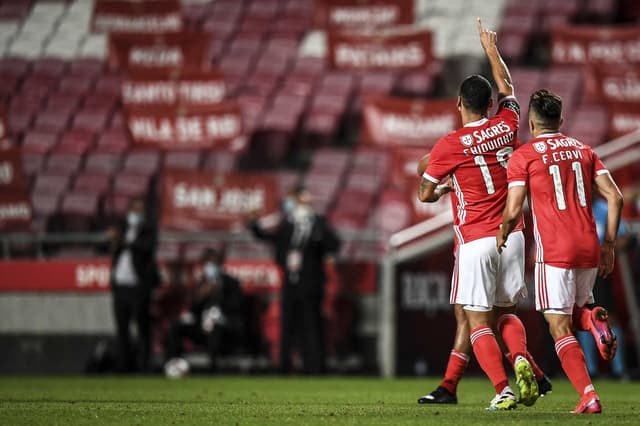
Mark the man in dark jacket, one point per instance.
(214, 318)
(304, 242)
(134, 274)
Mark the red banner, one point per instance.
(623, 118)
(4, 126)
(196, 201)
(11, 176)
(15, 212)
(391, 49)
(174, 88)
(390, 121)
(578, 45)
(192, 127)
(405, 165)
(87, 275)
(168, 51)
(149, 16)
(364, 13)
(614, 84)
(256, 276)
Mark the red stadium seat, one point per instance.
(32, 163)
(49, 67)
(184, 160)
(80, 204)
(38, 142)
(86, 67)
(76, 85)
(66, 164)
(221, 161)
(102, 163)
(52, 183)
(45, 204)
(130, 184)
(91, 182)
(20, 119)
(76, 142)
(112, 141)
(142, 162)
(54, 120)
(93, 120)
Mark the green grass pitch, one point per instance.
(286, 401)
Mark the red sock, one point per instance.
(515, 338)
(458, 362)
(489, 356)
(573, 363)
(581, 318)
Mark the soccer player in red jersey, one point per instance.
(559, 173)
(472, 163)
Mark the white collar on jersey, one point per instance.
(549, 135)
(477, 123)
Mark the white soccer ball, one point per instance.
(176, 368)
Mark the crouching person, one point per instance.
(214, 318)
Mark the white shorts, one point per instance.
(483, 278)
(559, 289)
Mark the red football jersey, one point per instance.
(476, 157)
(559, 172)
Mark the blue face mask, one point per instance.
(211, 271)
(288, 205)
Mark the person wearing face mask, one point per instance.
(214, 317)
(305, 245)
(134, 274)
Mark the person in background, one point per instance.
(134, 274)
(305, 245)
(214, 317)
(603, 293)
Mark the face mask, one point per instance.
(302, 213)
(134, 219)
(288, 205)
(211, 270)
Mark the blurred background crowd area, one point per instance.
(341, 96)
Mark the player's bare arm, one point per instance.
(430, 192)
(610, 192)
(511, 214)
(501, 75)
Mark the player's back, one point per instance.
(560, 172)
(476, 156)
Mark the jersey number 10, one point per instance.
(554, 171)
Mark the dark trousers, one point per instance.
(213, 341)
(132, 304)
(301, 321)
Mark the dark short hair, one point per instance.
(475, 92)
(217, 255)
(547, 106)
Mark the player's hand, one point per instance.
(501, 241)
(488, 38)
(445, 188)
(607, 258)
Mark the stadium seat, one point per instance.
(32, 163)
(75, 141)
(79, 211)
(142, 162)
(102, 163)
(186, 160)
(131, 185)
(112, 141)
(66, 164)
(52, 183)
(45, 204)
(221, 161)
(38, 142)
(98, 184)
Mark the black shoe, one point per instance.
(544, 386)
(439, 396)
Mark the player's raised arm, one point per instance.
(501, 75)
